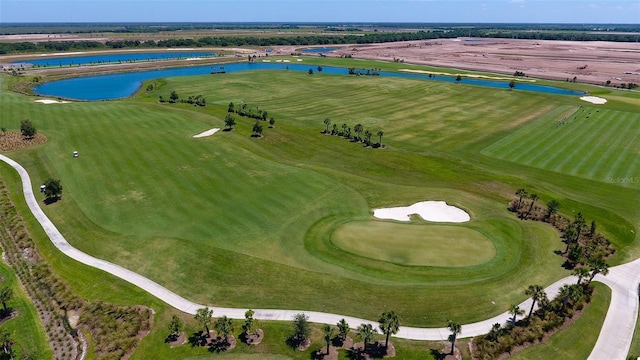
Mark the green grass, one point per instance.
(423, 245)
(577, 340)
(230, 217)
(580, 146)
(26, 329)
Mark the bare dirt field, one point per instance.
(588, 61)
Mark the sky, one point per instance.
(424, 11)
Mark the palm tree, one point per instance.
(552, 208)
(570, 292)
(520, 193)
(515, 310)
(389, 324)
(536, 292)
(367, 137)
(224, 326)
(380, 133)
(5, 342)
(581, 272)
(328, 334)
(344, 129)
(456, 329)
(334, 129)
(569, 235)
(494, 332)
(343, 329)
(597, 266)
(533, 198)
(358, 129)
(203, 316)
(327, 122)
(366, 333)
(578, 224)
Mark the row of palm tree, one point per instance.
(358, 135)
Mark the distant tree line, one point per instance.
(197, 100)
(367, 38)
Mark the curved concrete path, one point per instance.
(613, 343)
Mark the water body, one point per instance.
(116, 86)
(113, 58)
(319, 50)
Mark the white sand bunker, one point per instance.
(207, 133)
(594, 99)
(48, 101)
(437, 211)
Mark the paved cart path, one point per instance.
(613, 342)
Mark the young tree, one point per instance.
(495, 331)
(367, 137)
(597, 266)
(344, 129)
(257, 129)
(4, 130)
(552, 207)
(334, 130)
(536, 292)
(231, 108)
(249, 322)
(581, 272)
(53, 189)
(6, 341)
(389, 324)
(175, 326)
(366, 333)
(358, 129)
(458, 78)
(223, 327)
(571, 292)
(343, 329)
(533, 198)
(310, 71)
(5, 295)
(515, 311)
(204, 316)
(272, 121)
(229, 121)
(173, 97)
(380, 133)
(27, 129)
(521, 193)
(301, 328)
(327, 122)
(327, 330)
(512, 84)
(456, 329)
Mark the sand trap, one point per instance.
(266, 60)
(475, 76)
(193, 58)
(207, 133)
(437, 211)
(298, 59)
(48, 101)
(594, 99)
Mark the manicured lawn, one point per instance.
(576, 341)
(232, 221)
(425, 245)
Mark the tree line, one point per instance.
(251, 112)
(197, 100)
(367, 38)
(358, 134)
(585, 246)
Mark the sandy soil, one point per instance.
(49, 101)
(589, 61)
(437, 211)
(207, 133)
(594, 99)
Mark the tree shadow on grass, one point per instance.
(51, 200)
(437, 354)
(197, 339)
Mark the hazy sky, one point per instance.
(505, 11)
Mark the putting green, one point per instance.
(411, 244)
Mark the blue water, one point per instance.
(115, 86)
(112, 58)
(318, 50)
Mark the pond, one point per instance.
(116, 86)
(45, 61)
(319, 50)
